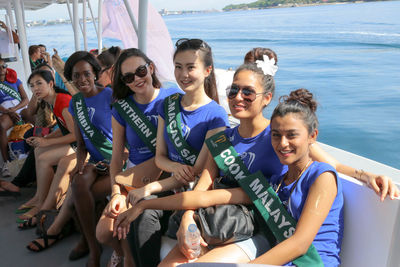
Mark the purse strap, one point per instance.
(138, 121)
(173, 122)
(267, 202)
(99, 141)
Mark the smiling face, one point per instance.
(83, 77)
(39, 87)
(190, 71)
(290, 138)
(140, 85)
(240, 107)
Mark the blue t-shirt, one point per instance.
(256, 153)
(99, 111)
(138, 151)
(329, 237)
(4, 96)
(195, 125)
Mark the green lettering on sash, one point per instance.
(99, 141)
(9, 91)
(275, 215)
(174, 129)
(138, 121)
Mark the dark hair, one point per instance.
(257, 53)
(42, 45)
(210, 84)
(43, 64)
(81, 56)
(267, 81)
(300, 101)
(108, 57)
(48, 77)
(32, 49)
(120, 89)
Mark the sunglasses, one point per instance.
(247, 93)
(191, 43)
(129, 77)
(4, 66)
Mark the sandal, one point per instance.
(21, 220)
(46, 239)
(27, 224)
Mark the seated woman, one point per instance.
(251, 91)
(12, 99)
(51, 148)
(138, 92)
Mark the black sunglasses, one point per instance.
(129, 77)
(191, 43)
(4, 66)
(247, 93)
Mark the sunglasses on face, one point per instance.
(191, 43)
(129, 77)
(247, 93)
(4, 66)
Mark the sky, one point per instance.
(55, 11)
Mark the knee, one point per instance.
(79, 184)
(104, 230)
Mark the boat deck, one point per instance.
(13, 242)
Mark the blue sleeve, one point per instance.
(322, 167)
(220, 118)
(118, 117)
(71, 109)
(18, 83)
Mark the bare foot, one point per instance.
(9, 186)
(30, 213)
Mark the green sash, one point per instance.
(174, 130)
(9, 91)
(277, 218)
(99, 141)
(136, 119)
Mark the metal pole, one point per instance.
(11, 16)
(93, 18)
(131, 16)
(75, 24)
(22, 37)
(100, 21)
(84, 25)
(142, 35)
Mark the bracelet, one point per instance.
(113, 195)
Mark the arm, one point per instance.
(81, 152)
(317, 206)
(30, 111)
(14, 34)
(381, 184)
(58, 65)
(182, 172)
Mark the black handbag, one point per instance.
(225, 224)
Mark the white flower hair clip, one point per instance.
(267, 65)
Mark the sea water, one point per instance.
(348, 55)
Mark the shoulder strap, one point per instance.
(173, 123)
(100, 142)
(138, 121)
(275, 215)
(10, 91)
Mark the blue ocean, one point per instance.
(348, 55)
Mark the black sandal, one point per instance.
(27, 224)
(46, 239)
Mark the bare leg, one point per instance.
(60, 182)
(45, 159)
(5, 124)
(174, 258)
(229, 253)
(82, 187)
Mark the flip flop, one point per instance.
(19, 220)
(23, 209)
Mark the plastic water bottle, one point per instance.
(193, 240)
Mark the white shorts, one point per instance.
(10, 104)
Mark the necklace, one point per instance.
(297, 180)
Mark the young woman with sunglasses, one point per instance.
(200, 117)
(137, 90)
(250, 92)
(12, 99)
(107, 59)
